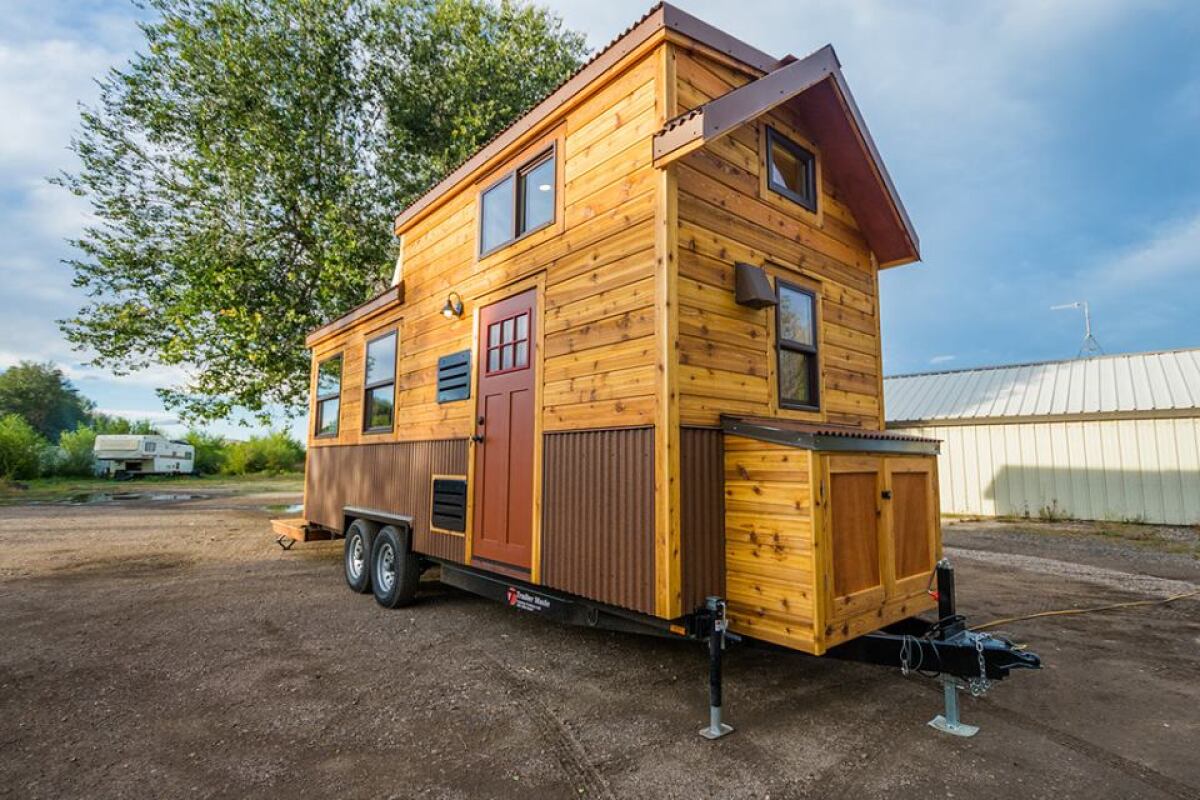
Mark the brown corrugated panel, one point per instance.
(702, 516)
(598, 515)
(392, 476)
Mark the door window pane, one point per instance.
(523, 326)
(497, 209)
(522, 354)
(537, 196)
(796, 317)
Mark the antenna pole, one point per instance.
(1090, 346)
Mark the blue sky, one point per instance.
(1047, 152)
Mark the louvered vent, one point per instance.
(449, 511)
(454, 377)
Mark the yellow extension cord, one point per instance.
(1070, 611)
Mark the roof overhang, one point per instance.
(825, 104)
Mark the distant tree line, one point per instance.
(48, 429)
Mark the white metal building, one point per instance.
(1112, 437)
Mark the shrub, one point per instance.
(275, 452)
(76, 452)
(210, 454)
(21, 449)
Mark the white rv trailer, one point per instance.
(132, 454)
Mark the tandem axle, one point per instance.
(945, 649)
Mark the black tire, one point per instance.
(356, 555)
(395, 569)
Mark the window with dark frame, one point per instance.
(329, 395)
(379, 384)
(796, 343)
(791, 170)
(518, 204)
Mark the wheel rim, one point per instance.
(356, 558)
(386, 577)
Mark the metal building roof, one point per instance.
(1129, 384)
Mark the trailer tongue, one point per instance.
(944, 649)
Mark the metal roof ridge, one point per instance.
(1017, 365)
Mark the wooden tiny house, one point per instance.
(631, 352)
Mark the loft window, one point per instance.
(791, 170)
(329, 395)
(796, 341)
(379, 383)
(518, 204)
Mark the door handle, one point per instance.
(477, 438)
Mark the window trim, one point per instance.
(369, 387)
(322, 398)
(791, 345)
(516, 173)
(804, 155)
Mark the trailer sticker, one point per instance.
(527, 601)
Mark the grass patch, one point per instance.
(44, 490)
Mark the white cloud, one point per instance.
(941, 359)
(155, 417)
(1172, 251)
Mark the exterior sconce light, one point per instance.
(454, 306)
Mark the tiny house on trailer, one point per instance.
(630, 363)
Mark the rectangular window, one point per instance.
(508, 344)
(796, 341)
(329, 394)
(518, 204)
(379, 383)
(791, 170)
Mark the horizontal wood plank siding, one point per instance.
(726, 215)
(395, 477)
(702, 512)
(598, 516)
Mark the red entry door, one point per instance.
(503, 529)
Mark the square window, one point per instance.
(521, 202)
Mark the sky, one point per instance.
(1047, 152)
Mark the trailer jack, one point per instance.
(716, 626)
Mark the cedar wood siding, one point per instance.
(595, 267)
(726, 215)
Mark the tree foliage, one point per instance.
(76, 455)
(244, 169)
(43, 397)
(106, 423)
(21, 448)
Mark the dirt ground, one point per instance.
(172, 650)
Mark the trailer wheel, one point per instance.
(357, 554)
(395, 570)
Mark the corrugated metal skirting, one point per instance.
(598, 516)
(391, 476)
(702, 522)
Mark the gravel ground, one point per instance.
(172, 650)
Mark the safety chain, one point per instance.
(980, 686)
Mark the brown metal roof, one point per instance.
(829, 109)
(659, 17)
(826, 437)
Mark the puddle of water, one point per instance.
(285, 508)
(91, 498)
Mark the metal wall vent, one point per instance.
(454, 377)
(449, 508)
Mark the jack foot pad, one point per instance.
(717, 732)
(953, 728)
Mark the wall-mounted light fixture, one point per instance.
(453, 307)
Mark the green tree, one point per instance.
(21, 448)
(275, 452)
(245, 166)
(209, 457)
(76, 455)
(105, 424)
(42, 395)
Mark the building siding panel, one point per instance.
(598, 516)
(702, 514)
(393, 476)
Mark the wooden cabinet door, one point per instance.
(910, 523)
(857, 579)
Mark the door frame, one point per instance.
(536, 282)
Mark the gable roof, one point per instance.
(828, 108)
(1129, 385)
(662, 16)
